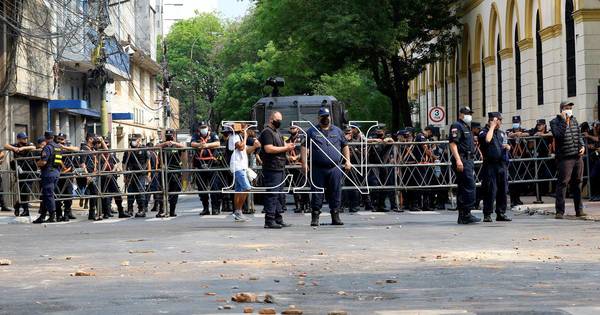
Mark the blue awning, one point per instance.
(122, 116)
(77, 107)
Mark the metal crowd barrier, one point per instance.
(389, 166)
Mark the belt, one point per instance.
(468, 156)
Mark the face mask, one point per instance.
(169, 138)
(325, 121)
(293, 133)
(468, 119)
(204, 131)
(516, 125)
(133, 144)
(568, 112)
(276, 124)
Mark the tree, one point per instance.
(193, 47)
(393, 39)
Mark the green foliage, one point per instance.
(358, 91)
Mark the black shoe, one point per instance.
(123, 215)
(559, 216)
(353, 210)
(205, 212)
(513, 204)
(314, 218)
(502, 217)
(272, 225)
(487, 218)
(283, 224)
(51, 218)
(216, 212)
(65, 219)
(468, 219)
(140, 214)
(39, 220)
(24, 213)
(335, 219)
(397, 210)
(519, 202)
(161, 215)
(105, 216)
(581, 214)
(172, 214)
(5, 209)
(16, 212)
(70, 215)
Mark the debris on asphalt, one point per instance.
(253, 278)
(342, 293)
(136, 240)
(125, 263)
(269, 299)
(248, 310)
(81, 273)
(292, 311)
(267, 311)
(210, 293)
(391, 281)
(244, 297)
(337, 312)
(5, 262)
(68, 258)
(141, 251)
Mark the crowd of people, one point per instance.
(329, 156)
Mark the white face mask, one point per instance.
(468, 119)
(568, 112)
(516, 126)
(204, 131)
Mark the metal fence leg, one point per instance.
(165, 189)
(538, 195)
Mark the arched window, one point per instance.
(470, 78)
(499, 73)
(482, 85)
(570, 35)
(538, 57)
(517, 69)
(446, 88)
(457, 82)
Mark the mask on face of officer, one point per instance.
(169, 137)
(324, 121)
(467, 119)
(276, 123)
(516, 126)
(134, 143)
(204, 132)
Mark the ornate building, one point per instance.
(519, 57)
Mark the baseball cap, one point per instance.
(516, 119)
(323, 111)
(492, 115)
(21, 135)
(465, 110)
(566, 103)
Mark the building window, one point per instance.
(482, 85)
(540, 64)
(457, 82)
(518, 69)
(499, 73)
(446, 92)
(470, 78)
(570, 35)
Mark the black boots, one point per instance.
(40, 219)
(314, 218)
(502, 217)
(335, 218)
(205, 209)
(270, 222)
(279, 220)
(467, 218)
(172, 207)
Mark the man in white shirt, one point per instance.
(239, 167)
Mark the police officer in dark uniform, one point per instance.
(301, 200)
(137, 162)
(206, 142)
(25, 168)
(50, 163)
(493, 143)
(327, 141)
(108, 164)
(64, 187)
(476, 129)
(155, 186)
(463, 151)
(518, 147)
(172, 158)
(89, 163)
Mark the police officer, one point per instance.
(172, 159)
(89, 162)
(463, 151)
(273, 155)
(493, 143)
(25, 168)
(64, 187)
(518, 147)
(50, 163)
(137, 162)
(327, 141)
(206, 142)
(475, 130)
(155, 186)
(294, 157)
(108, 164)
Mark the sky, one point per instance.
(229, 9)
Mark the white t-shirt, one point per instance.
(239, 159)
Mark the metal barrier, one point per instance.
(173, 171)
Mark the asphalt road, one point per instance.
(376, 264)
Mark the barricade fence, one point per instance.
(167, 171)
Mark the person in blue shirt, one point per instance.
(462, 147)
(50, 163)
(493, 143)
(328, 151)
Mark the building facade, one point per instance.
(519, 57)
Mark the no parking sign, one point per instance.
(437, 115)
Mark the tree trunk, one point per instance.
(405, 108)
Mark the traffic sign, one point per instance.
(437, 114)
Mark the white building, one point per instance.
(519, 57)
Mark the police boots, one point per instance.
(25, 212)
(161, 211)
(205, 208)
(335, 218)
(270, 222)
(92, 213)
(41, 218)
(172, 207)
(467, 218)
(314, 217)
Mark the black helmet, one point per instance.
(61, 135)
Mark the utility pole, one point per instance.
(166, 100)
(99, 60)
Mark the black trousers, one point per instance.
(465, 194)
(494, 187)
(570, 172)
(64, 190)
